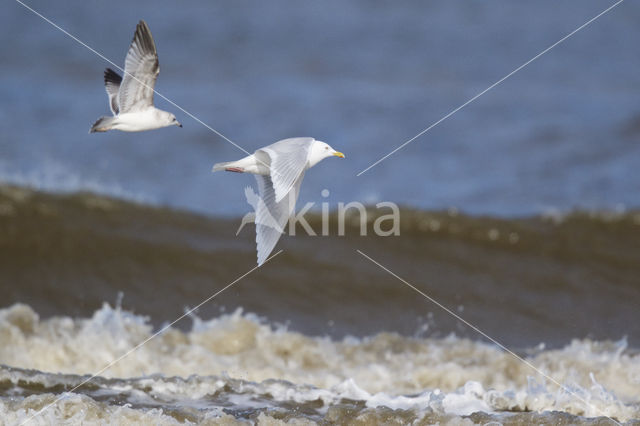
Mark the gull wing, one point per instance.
(112, 82)
(271, 215)
(141, 69)
(289, 159)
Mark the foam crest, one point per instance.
(241, 352)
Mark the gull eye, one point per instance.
(326, 147)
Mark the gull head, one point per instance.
(174, 121)
(169, 119)
(321, 150)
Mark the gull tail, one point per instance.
(220, 167)
(103, 124)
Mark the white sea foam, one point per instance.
(56, 178)
(452, 376)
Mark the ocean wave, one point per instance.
(238, 364)
(537, 276)
(322, 336)
(55, 178)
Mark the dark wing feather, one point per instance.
(112, 82)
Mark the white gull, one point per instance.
(131, 98)
(279, 169)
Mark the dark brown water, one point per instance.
(320, 333)
(523, 281)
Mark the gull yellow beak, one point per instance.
(338, 154)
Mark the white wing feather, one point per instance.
(141, 69)
(289, 158)
(271, 215)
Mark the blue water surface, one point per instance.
(364, 76)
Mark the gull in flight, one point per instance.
(279, 169)
(131, 98)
